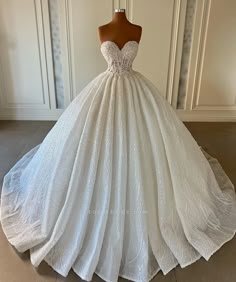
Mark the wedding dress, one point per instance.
(118, 187)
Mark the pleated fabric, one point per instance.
(118, 187)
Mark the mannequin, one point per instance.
(120, 30)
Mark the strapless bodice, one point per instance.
(119, 60)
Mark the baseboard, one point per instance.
(207, 116)
(30, 114)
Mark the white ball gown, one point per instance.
(118, 187)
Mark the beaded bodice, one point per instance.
(119, 61)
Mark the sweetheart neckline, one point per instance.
(109, 41)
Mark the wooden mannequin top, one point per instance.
(120, 30)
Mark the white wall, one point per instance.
(27, 74)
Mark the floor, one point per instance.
(18, 137)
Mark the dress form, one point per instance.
(120, 30)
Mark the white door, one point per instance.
(211, 91)
(25, 88)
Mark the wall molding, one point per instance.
(67, 52)
(47, 109)
(192, 110)
(177, 34)
(205, 13)
(39, 6)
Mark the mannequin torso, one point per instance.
(120, 30)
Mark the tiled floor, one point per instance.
(18, 137)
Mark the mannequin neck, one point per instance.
(119, 17)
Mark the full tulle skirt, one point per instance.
(118, 187)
